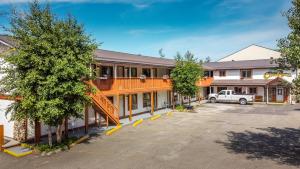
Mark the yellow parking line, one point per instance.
(170, 114)
(111, 131)
(15, 154)
(137, 122)
(155, 117)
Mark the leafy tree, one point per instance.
(207, 59)
(185, 74)
(47, 69)
(290, 45)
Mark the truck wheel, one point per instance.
(213, 100)
(243, 101)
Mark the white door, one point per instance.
(279, 95)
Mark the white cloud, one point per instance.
(219, 45)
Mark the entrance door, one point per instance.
(279, 95)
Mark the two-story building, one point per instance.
(251, 70)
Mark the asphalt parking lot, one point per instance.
(214, 136)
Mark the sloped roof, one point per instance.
(252, 52)
(244, 82)
(7, 40)
(112, 56)
(246, 64)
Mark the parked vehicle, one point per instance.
(230, 96)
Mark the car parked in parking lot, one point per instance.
(229, 96)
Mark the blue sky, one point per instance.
(212, 28)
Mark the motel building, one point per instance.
(129, 85)
(251, 71)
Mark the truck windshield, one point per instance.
(222, 93)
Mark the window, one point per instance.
(154, 72)
(133, 72)
(221, 88)
(222, 73)
(146, 72)
(146, 99)
(246, 74)
(134, 102)
(237, 90)
(106, 71)
(252, 90)
(120, 71)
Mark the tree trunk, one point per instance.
(49, 136)
(189, 100)
(59, 133)
(181, 100)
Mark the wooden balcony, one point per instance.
(113, 86)
(205, 82)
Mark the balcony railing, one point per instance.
(113, 86)
(205, 82)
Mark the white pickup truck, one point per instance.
(230, 96)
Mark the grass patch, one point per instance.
(65, 143)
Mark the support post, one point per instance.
(66, 127)
(118, 103)
(130, 107)
(37, 132)
(267, 94)
(1, 137)
(106, 121)
(96, 118)
(152, 102)
(86, 119)
(173, 99)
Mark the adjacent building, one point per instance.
(251, 70)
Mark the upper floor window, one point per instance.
(246, 74)
(222, 73)
(133, 72)
(146, 72)
(106, 71)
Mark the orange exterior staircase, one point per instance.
(103, 105)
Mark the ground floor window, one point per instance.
(221, 88)
(134, 102)
(252, 90)
(238, 90)
(146, 99)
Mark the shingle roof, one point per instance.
(244, 82)
(247, 64)
(111, 56)
(8, 40)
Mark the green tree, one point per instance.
(52, 57)
(185, 74)
(290, 45)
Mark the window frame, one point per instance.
(148, 102)
(148, 72)
(134, 102)
(247, 71)
(251, 88)
(222, 73)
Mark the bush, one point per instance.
(180, 108)
(47, 148)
